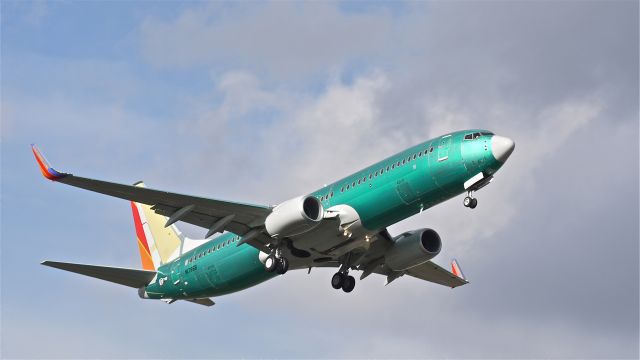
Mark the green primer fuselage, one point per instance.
(382, 194)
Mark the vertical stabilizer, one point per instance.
(156, 243)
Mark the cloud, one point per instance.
(286, 38)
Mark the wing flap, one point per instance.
(129, 277)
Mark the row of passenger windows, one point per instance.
(476, 135)
(212, 249)
(387, 169)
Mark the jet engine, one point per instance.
(294, 216)
(413, 248)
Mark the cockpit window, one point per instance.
(468, 136)
(476, 135)
(486, 133)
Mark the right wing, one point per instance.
(215, 215)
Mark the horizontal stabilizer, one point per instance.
(202, 301)
(123, 276)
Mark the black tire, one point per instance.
(474, 203)
(337, 280)
(270, 264)
(283, 266)
(348, 284)
(467, 201)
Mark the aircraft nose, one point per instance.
(501, 147)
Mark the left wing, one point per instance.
(434, 273)
(428, 271)
(215, 215)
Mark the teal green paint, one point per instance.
(382, 194)
(403, 190)
(228, 268)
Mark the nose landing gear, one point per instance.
(470, 201)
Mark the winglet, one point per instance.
(455, 269)
(46, 169)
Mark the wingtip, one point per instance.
(456, 270)
(46, 169)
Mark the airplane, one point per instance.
(343, 225)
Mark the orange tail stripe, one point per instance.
(145, 258)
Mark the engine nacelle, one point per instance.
(413, 248)
(294, 216)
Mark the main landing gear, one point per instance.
(470, 201)
(276, 262)
(343, 280)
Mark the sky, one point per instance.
(262, 101)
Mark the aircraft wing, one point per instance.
(434, 273)
(428, 271)
(215, 215)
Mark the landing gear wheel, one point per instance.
(283, 265)
(474, 203)
(337, 280)
(348, 284)
(270, 264)
(467, 201)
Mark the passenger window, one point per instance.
(331, 195)
(358, 181)
(342, 189)
(347, 187)
(414, 156)
(431, 149)
(393, 166)
(218, 247)
(387, 168)
(403, 161)
(364, 178)
(228, 242)
(353, 184)
(376, 173)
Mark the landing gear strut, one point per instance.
(470, 201)
(276, 262)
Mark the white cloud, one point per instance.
(284, 37)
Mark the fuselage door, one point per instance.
(176, 274)
(443, 148)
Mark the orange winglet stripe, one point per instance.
(46, 169)
(455, 269)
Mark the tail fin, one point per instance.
(157, 244)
